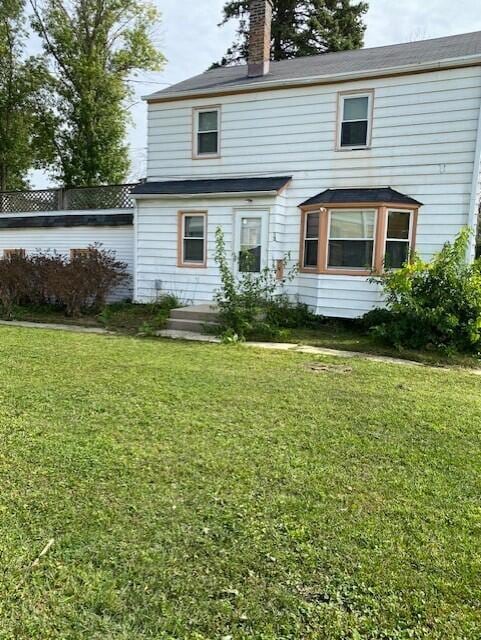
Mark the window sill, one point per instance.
(192, 265)
(339, 272)
(207, 156)
(367, 148)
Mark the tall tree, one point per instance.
(21, 84)
(95, 47)
(300, 28)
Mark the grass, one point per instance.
(122, 317)
(348, 336)
(132, 319)
(200, 492)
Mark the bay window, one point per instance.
(398, 239)
(351, 239)
(311, 239)
(356, 240)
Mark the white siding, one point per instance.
(423, 144)
(62, 239)
(157, 269)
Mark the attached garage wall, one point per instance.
(62, 238)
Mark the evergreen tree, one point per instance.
(22, 84)
(300, 28)
(94, 47)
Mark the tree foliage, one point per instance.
(300, 28)
(94, 48)
(22, 92)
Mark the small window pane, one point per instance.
(250, 260)
(207, 143)
(251, 232)
(397, 254)
(250, 245)
(354, 134)
(193, 250)
(398, 225)
(310, 253)
(356, 108)
(312, 225)
(352, 224)
(208, 120)
(355, 254)
(194, 226)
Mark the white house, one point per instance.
(344, 161)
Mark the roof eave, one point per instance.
(448, 63)
(206, 196)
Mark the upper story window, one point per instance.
(207, 132)
(355, 120)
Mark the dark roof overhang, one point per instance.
(372, 196)
(76, 220)
(212, 187)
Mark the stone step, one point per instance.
(202, 313)
(196, 326)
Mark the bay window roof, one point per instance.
(381, 195)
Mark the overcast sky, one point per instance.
(191, 40)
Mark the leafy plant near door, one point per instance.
(433, 304)
(254, 303)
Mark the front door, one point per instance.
(251, 236)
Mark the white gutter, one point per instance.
(474, 200)
(320, 79)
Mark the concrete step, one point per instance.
(196, 326)
(201, 313)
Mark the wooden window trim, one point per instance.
(180, 240)
(195, 126)
(382, 210)
(341, 96)
(83, 251)
(7, 253)
(413, 226)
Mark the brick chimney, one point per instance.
(260, 38)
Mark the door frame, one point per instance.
(258, 212)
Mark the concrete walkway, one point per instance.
(273, 346)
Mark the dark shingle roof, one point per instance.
(333, 64)
(222, 185)
(346, 196)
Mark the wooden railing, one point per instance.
(76, 199)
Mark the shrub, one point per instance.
(49, 278)
(15, 280)
(87, 279)
(254, 303)
(138, 318)
(433, 304)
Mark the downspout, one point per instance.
(473, 201)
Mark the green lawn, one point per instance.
(333, 334)
(201, 492)
(348, 336)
